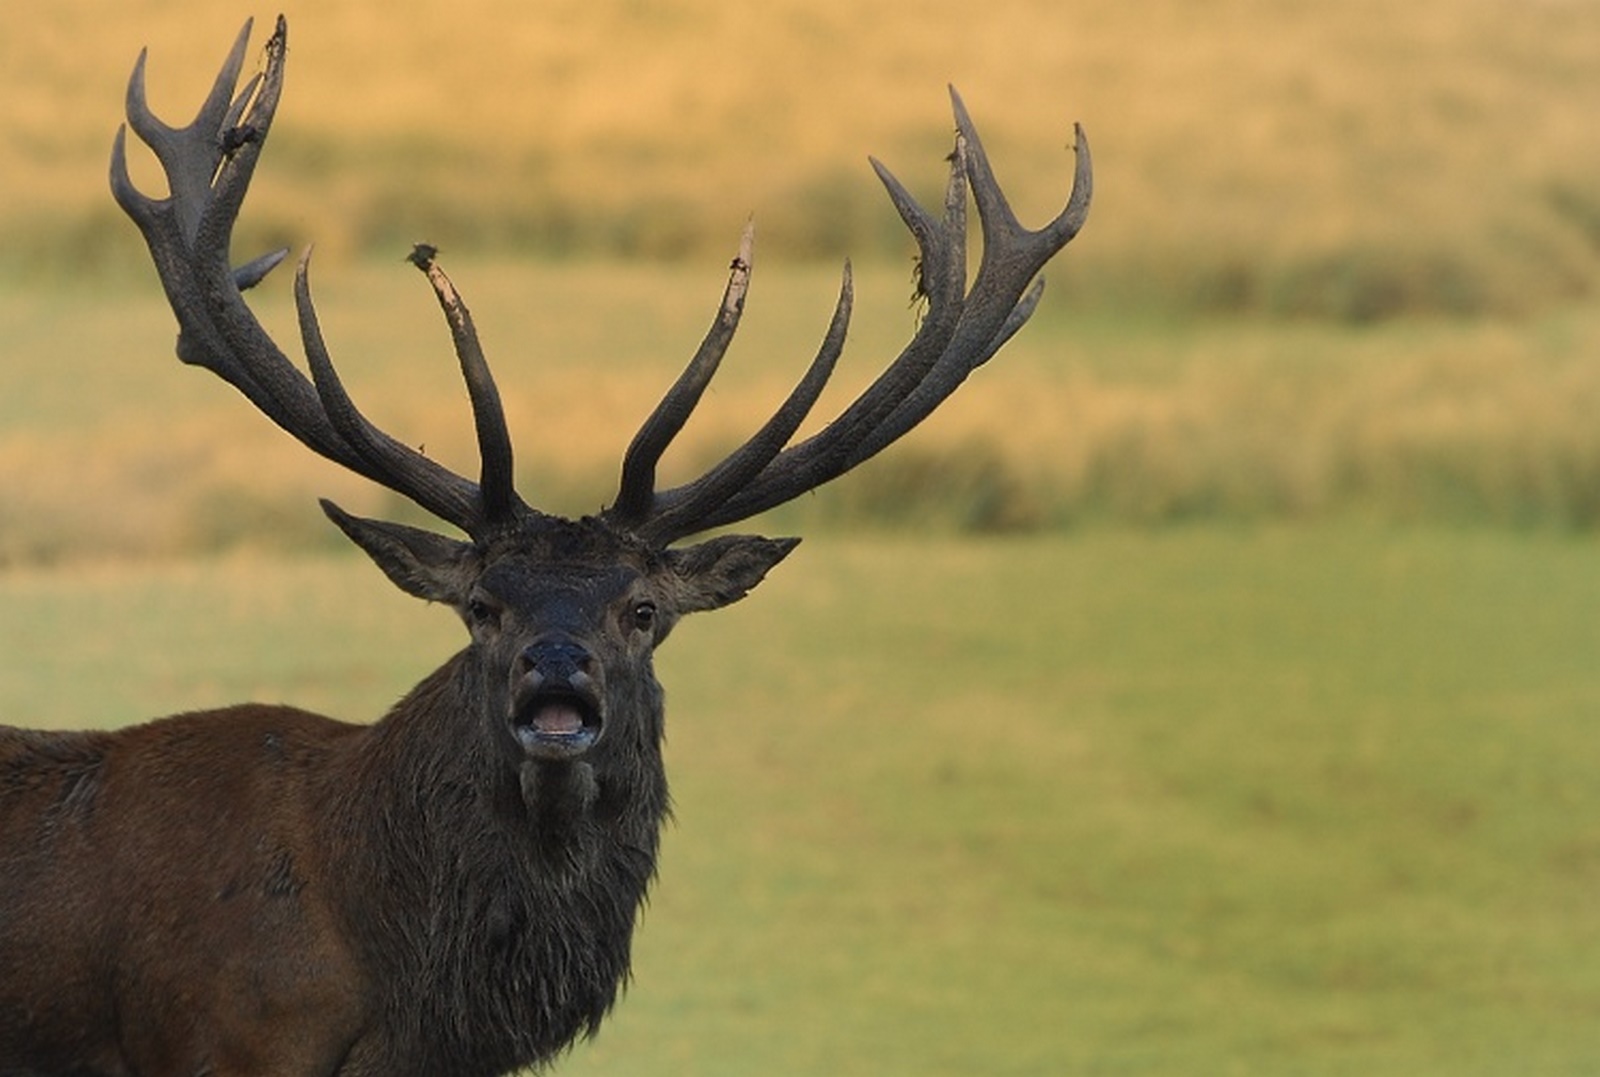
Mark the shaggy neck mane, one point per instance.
(503, 923)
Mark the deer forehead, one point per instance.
(538, 588)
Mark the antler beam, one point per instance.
(960, 331)
(208, 166)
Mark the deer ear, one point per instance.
(722, 570)
(419, 562)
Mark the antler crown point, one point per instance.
(422, 256)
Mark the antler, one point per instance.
(208, 166)
(960, 331)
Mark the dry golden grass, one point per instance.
(109, 447)
(1355, 159)
(1358, 161)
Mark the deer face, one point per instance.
(564, 635)
(566, 615)
(561, 607)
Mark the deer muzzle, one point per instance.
(556, 709)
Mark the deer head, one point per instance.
(557, 608)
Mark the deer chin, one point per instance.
(558, 724)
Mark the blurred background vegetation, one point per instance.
(1357, 162)
(1209, 687)
(1342, 261)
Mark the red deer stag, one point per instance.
(452, 890)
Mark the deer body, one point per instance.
(417, 896)
(302, 906)
(158, 917)
(451, 891)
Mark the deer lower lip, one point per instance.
(556, 726)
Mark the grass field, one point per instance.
(1209, 688)
(1201, 801)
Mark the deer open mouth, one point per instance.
(557, 724)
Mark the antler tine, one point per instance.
(942, 281)
(208, 166)
(1016, 244)
(678, 512)
(1004, 292)
(942, 278)
(496, 482)
(190, 163)
(437, 489)
(636, 492)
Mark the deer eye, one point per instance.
(644, 616)
(481, 613)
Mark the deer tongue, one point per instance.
(557, 725)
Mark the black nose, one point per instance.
(557, 661)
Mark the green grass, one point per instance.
(1206, 800)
